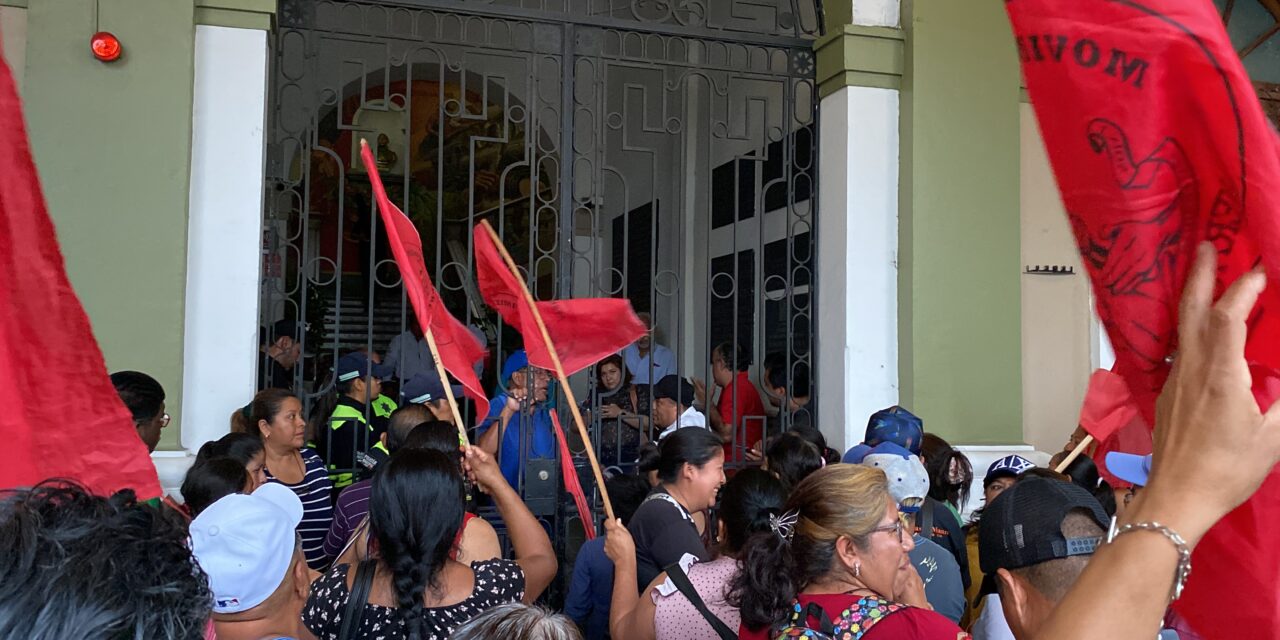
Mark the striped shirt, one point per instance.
(353, 505)
(317, 507)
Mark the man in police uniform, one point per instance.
(353, 428)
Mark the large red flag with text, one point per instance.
(1158, 142)
(583, 331)
(456, 347)
(62, 418)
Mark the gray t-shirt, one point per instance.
(941, 575)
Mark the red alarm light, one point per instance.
(106, 47)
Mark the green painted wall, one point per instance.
(113, 146)
(959, 299)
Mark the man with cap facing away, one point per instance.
(934, 520)
(1036, 538)
(352, 429)
(524, 397)
(247, 546)
(672, 406)
(427, 389)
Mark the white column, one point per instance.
(224, 233)
(857, 260)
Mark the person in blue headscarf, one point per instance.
(521, 408)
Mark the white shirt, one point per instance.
(407, 355)
(991, 624)
(661, 358)
(690, 418)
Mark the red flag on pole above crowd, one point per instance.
(93, 440)
(583, 331)
(455, 346)
(1158, 143)
(1111, 416)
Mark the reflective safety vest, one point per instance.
(341, 415)
(383, 406)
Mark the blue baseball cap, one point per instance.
(423, 388)
(896, 425)
(855, 454)
(1010, 466)
(515, 362)
(1130, 467)
(357, 365)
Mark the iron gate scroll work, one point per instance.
(689, 186)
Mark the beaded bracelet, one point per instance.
(1184, 553)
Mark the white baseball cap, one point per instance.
(245, 544)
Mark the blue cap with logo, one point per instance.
(1010, 466)
(896, 425)
(357, 365)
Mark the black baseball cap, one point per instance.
(1023, 525)
(673, 387)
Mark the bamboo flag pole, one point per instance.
(555, 361)
(448, 388)
(1075, 453)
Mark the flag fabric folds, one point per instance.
(456, 347)
(1158, 142)
(583, 331)
(62, 417)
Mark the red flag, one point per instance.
(1158, 143)
(93, 441)
(456, 347)
(1107, 405)
(1111, 416)
(571, 482)
(583, 331)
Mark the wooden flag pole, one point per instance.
(448, 389)
(1075, 453)
(555, 361)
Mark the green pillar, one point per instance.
(959, 306)
(113, 146)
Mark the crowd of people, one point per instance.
(285, 531)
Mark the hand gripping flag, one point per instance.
(457, 349)
(583, 331)
(1158, 142)
(48, 357)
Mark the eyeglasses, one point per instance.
(898, 527)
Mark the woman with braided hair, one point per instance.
(417, 591)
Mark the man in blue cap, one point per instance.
(352, 428)
(524, 395)
(426, 388)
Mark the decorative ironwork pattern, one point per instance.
(663, 151)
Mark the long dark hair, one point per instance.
(793, 458)
(266, 405)
(211, 480)
(1084, 473)
(839, 500)
(746, 502)
(693, 445)
(415, 511)
(241, 447)
(938, 457)
(615, 360)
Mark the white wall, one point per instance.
(224, 233)
(857, 349)
(13, 35)
(876, 13)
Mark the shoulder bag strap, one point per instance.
(926, 518)
(356, 600)
(681, 580)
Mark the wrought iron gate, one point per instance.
(658, 150)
